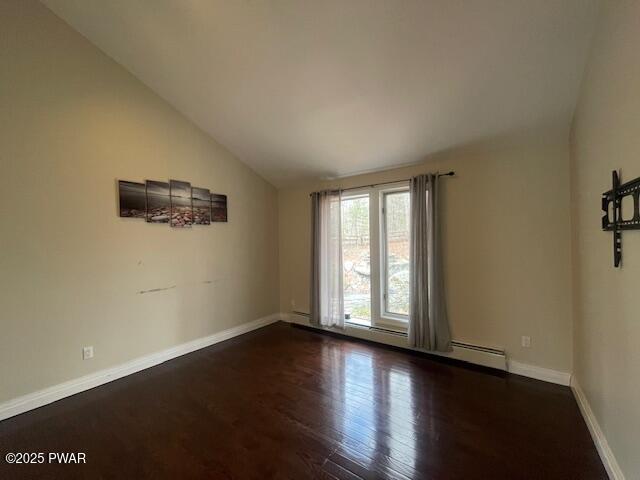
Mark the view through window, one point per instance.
(396, 218)
(356, 259)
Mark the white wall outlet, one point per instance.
(293, 304)
(526, 341)
(87, 353)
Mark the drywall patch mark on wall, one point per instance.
(153, 290)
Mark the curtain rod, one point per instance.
(448, 174)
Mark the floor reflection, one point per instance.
(402, 417)
(359, 405)
(378, 410)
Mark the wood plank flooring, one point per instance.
(286, 403)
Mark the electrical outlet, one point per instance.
(526, 341)
(87, 353)
(293, 304)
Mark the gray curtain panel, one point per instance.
(428, 322)
(327, 304)
(314, 294)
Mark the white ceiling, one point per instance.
(317, 88)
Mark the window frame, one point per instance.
(351, 195)
(393, 318)
(378, 294)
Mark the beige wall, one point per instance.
(506, 237)
(606, 137)
(72, 122)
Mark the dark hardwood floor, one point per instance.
(283, 402)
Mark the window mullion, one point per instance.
(374, 235)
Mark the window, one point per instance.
(375, 254)
(396, 253)
(356, 259)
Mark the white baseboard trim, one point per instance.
(606, 454)
(476, 357)
(539, 373)
(56, 392)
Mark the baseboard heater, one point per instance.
(479, 348)
(469, 352)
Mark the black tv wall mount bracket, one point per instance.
(613, 216)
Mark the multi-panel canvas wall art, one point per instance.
(181, 208)
(218, 207)
(175, 202)
(132, 199)
(158, 202)
(201, 198)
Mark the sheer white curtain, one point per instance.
(327, 304)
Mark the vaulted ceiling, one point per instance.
(319, 88)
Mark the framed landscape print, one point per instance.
(158, 202)
(132, 199)
(218, 207)
(201, 198)
(174, 202)
(181, 207)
